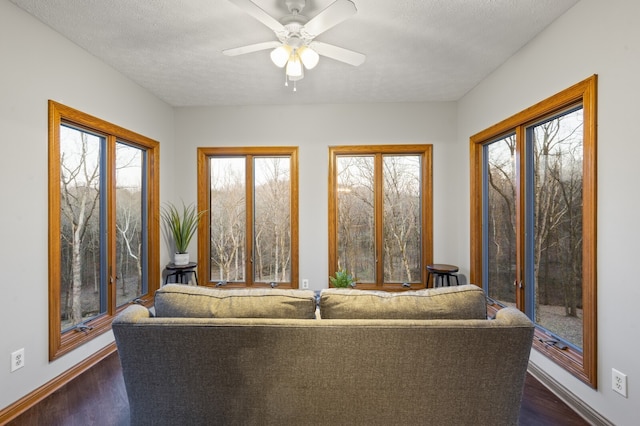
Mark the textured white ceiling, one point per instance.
(417, 50)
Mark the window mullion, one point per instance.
(379, 219)
(293, 214)
(109, 196)
(427, 212)
(521, 194)
(250, 229)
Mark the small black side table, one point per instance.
(182, 273)
(442, 271)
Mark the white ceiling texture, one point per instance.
(416, 50)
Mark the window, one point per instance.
(249, 234)
(380, 217)
(533, 222)
(103, 233)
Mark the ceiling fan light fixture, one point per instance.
(297, 77)
(309, 57)
(280, 55)
(294, 66)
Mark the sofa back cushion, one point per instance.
(177, 300)
(459, 302)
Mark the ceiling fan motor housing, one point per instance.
(294, 23)
(295, 6)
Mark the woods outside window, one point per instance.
(533, 222)
(380, 214)
(103, 233)
(248, 236)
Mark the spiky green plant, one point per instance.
(342, 279)
(181, 223)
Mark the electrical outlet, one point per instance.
(305, 284)
(619, 382)
(17, 359)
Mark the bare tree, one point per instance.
(272, 219)
(502, 215)
(401, 223)
(402, 215)
(129, 218)
(128, 225)
(80, 192)
(356, 232)
(270, 229)
(228, 216)
(556, 212)
(558, 178)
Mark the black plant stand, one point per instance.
(182, 273)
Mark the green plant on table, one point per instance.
(182, 223)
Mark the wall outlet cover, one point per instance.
(17, 359)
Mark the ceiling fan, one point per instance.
(296, 47)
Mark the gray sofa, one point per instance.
(272, 357)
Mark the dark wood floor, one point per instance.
(98, 397)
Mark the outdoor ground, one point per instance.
(554, 319)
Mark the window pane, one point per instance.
(356, 227)
(80, 281)
(500, 223)
(402, 218)
(129, 224)
(272, 218)
(557, 220)
(228, 218)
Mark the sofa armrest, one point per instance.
(132, 314)
(510, 316)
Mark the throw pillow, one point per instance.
(177, 300)
(459, 302)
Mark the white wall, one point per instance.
(37, 64)
(313, 128)
(603, 38)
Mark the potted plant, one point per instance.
(343, 279)
(182, 224)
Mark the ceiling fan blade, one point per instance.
(254, 10)
(251, 48)
(338, 53)
(335, 13)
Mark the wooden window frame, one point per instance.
(426, 152)
(60, 342)
(204, 203)
(582, 365)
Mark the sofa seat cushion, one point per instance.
(459, 302)
(177, 300)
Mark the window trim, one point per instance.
(425, 151)
(204, 202)
(581, 365)
(61, 342)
